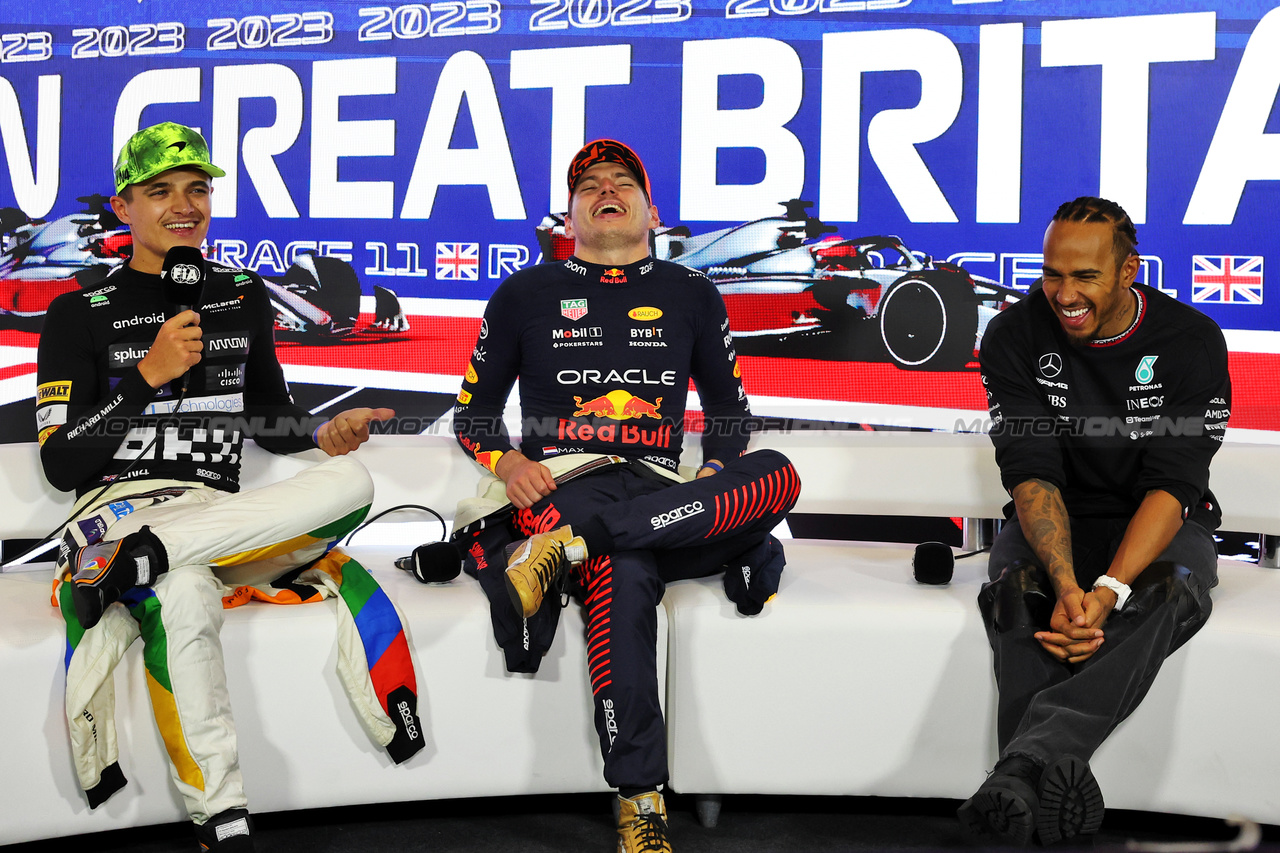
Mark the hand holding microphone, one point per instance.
(175, 350)
(177, 346)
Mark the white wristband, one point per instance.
(1121, 589)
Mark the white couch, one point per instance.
(855, 680)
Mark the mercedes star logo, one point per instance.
(1050, 364)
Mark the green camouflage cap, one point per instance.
(159, 148)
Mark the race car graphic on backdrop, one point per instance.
(316, 301)
(793, 288)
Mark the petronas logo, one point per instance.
(1146, 369)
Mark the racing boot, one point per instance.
(107, 570)
(642, 824)
(539, 563)
(228, 832)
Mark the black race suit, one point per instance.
(604, 357)
(1106, 423)
(95, 414)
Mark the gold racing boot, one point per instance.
(540, 562)
(642, 824)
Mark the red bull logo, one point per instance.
(529, 524)
(615, 433)
(613, 276)
(619, 404)
(489, 458)
(477, 553)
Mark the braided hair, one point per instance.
(1087, 208)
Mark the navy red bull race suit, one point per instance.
(604, 357)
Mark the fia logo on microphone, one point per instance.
(185, 273)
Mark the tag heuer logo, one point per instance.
(574, 309)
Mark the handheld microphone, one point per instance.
(933, 563)
(434, 562)
(183, 274)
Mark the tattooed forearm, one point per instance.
(1043, 517)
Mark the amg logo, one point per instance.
(406, 716)
(680, 513)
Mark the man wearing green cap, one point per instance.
(144, 415)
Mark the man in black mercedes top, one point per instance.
(142, 408)
(1108, 399)
(604, 346)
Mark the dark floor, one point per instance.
(583, 822)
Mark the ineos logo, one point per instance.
(185, 274)
(1050, 364)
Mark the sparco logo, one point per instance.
(157, 317)
(185, 274)
(680, 513)
(610, 721)
(407, 716)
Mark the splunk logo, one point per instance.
(680, 513)
(123, 355)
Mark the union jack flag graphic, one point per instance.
(1226, 278)
(458, 261)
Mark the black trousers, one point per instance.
(1049, 709)
(659, 532)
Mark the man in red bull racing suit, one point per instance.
(162, 539)
(604, 346)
